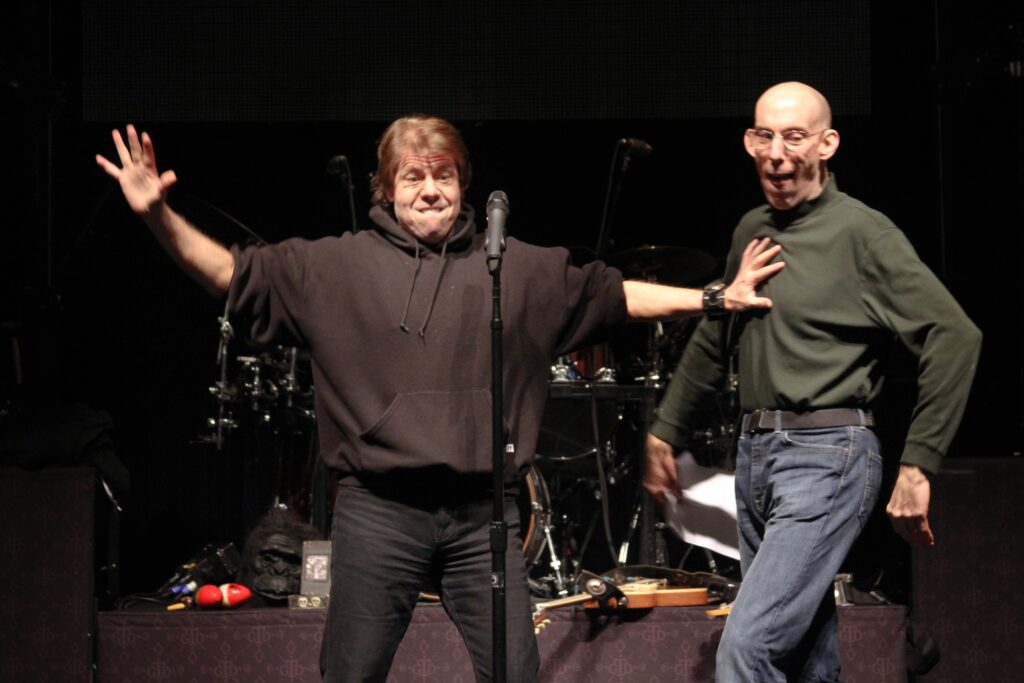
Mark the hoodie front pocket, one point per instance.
(425, 428)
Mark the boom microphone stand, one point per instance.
(338, 167)
(497, 213)
(626, 149)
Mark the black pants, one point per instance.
(388, 545)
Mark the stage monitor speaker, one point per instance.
(965, 588)
(47, 596)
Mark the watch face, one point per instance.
(714, 300)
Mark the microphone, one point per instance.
(497, 214)
(635, 147)
(338, 165)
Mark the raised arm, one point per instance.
(648, 301)
(145, 190)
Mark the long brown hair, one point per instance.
(416, 133)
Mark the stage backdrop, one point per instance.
(318, 60)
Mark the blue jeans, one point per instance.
(803, 497)
(389, 545)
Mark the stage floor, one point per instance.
(277, 645)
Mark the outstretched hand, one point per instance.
(755, 268)
(143, 186)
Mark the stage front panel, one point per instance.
(666, 644)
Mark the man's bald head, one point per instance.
(794, 95)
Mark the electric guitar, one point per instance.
(642, 587)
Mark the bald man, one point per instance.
(808, 465)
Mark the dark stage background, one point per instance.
(248, 101)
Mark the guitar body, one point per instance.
(661, 597)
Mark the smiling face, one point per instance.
(790, 177)
(426, 195)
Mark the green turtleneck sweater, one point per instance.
(851, 287)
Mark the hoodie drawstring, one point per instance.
(433, 297)
(412, 286)
(437, 286)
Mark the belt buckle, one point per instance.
(754, 421)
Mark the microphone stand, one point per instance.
(351, 204)
(499, 529)
(338, 167)
(625, 149)
(611, 196)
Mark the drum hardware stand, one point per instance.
(220, 389)
(586, 542)
(599, 492)
(561, 556)
(634, 522)
(602, 480)
(709, 557)
(289, 383)
(253, 388)
(654, 371)
(650, 550)
(554, 562)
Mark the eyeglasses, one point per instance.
(793, 139)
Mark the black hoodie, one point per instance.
(399, 334)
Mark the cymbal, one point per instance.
(665, 265)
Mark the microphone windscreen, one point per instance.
(337, 165)
(636, 147)
(497, 200)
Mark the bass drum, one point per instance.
(534, 515)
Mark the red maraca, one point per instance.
(225, 595)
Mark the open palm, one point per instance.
(143, 186)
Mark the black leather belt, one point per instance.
(770, 420)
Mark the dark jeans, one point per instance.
(389, 545)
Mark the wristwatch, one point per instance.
(714, 300)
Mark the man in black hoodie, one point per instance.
(396, 320)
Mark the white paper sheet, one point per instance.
(706, 515)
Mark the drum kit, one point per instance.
(591, 442)
(272, 385)
(265, 407)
